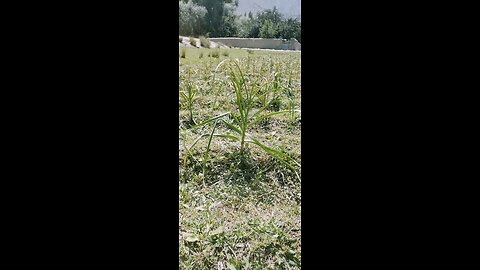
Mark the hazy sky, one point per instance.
(286, 7)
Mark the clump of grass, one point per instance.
(201, 55)
(250, 51)
(188, 95)
(226, 53)
(204, 42)
(291, 99)
(276, 87)
(183, 53)
(215, 54)
(193, 42)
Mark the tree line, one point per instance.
(217, 18)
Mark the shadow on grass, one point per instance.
(245, 173)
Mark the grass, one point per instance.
(193, 42)
(194, 53)
(183, 52)
(239, 206)
(188, 92)
(236, 225)
(215, 53)
(245, 116)
(204, 42)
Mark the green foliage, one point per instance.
(220, 18)
(193, 42)
(289, 29)
(246, 116)
(269, 24)
(239, 210)
(183, 53)
(272, 15)
(191, 18)
(204, 42)
(215, 53)
(268, 30)
(188, 94)
(249, 28)
(216, 18)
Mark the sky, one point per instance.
(289, 8)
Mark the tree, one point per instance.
(229, 26)
(220, 19)
(290, 28)
(216, 18)
(191, 18)
(248, 28)
(270, 14)
(268, 29)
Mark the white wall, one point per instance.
(260, 43)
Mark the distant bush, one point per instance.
(215, 54)
(205, 42)
(193, 42)
(180, 39)
(201, 55)
(183, 52)
(226, 53)
(250, 51)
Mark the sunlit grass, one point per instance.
(239, 206)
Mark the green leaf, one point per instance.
(210, 120)
(232, 127)
(266, 116)
(211, 136)
(227, 136)
(276, 154)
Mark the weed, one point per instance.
(188, 95)
(193, 42)
(204, 42)
(241, 120)
(216, 53)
